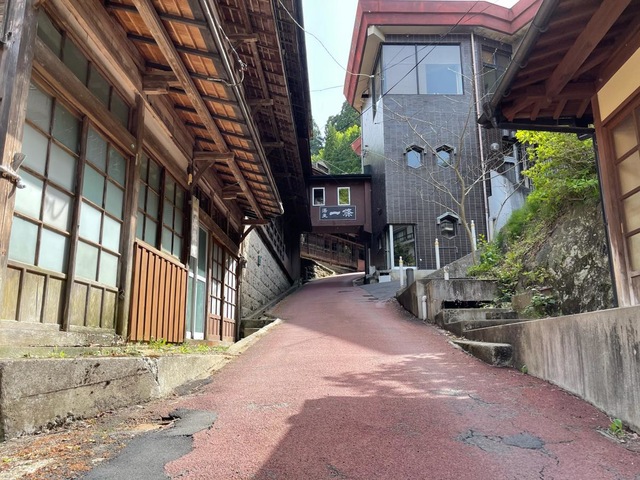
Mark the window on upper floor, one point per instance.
(421, 69)
(413, 156)
(344, 196)
(494, 64)
(317, 195)
(444, 155)
(84, 70)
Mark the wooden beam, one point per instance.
(231, 192)
(557, 113)
(186, 50)
(597, 27)
(273, 144)
(213, 157)
(164, 16)
(154, 23)
(158, 83)
(261, 102)
(15, 70)
(253, 221)
(519, 105)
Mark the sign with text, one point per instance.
(343, 212)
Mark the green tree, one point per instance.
(337, 152)
(341, 131)
(563, 171)
(317, 141)
(344, 120)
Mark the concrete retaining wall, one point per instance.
(594, 355)
(264, 282)
(40, 393)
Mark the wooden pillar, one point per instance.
(130, 215)
(16, 56)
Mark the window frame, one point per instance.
(52, 141)
(313, 197)
(348, 190)
(411, 151)
(143, 216)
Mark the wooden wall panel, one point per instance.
(158, 303)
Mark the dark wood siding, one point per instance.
(158, 297)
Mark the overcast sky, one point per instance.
(332, 22)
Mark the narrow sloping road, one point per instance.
(350, 387)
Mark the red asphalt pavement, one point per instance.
(353, 388)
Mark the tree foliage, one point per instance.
(317, 141)
(347, 117)
(563, 171)
(563, 174)
(340, 132)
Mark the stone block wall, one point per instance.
(264, 278)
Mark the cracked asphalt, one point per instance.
(350, 386)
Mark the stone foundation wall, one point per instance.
(264, 279)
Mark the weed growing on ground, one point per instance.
(616, 428)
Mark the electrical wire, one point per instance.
(321, 44)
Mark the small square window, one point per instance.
(318, 196)
(344, 196)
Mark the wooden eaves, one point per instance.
(190, 59)
(570, 49)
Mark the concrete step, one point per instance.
(460, 328)
(452, 315)
(249, 331)
(249, 327)
(263, 322)
(497, 354)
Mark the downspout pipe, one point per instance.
(519, 60)
(213, 22)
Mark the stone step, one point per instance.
(249, 331)
(460, 328)
(497, 354)
(452, 315)
(262, 322)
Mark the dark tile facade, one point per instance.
(405, 195)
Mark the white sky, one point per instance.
(332, 22)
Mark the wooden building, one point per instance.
(578, 70)
(141, 141)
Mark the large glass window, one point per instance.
(399, 69)
(67, 51)
(439, 70)
(421, 69)
(160, 223)
(43, 210)
(101, 212)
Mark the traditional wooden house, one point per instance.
(578, 70)
(141, 143)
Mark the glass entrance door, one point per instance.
(197, 288)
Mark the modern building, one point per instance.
(153, 157)
(418, 73)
